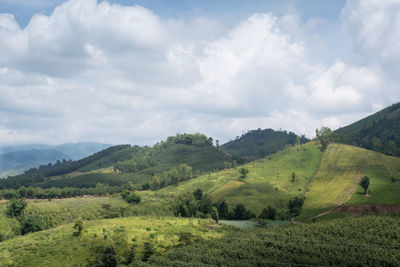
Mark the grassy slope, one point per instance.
(335, 176)
(58, 247)
(61, 211)
(341, 169)
(267, 184)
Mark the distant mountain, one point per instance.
(73, 151)
(379, 132)
(260, 143)
(16, 159)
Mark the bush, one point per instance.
(78, 226)
(15, 207)
(130, 197)
(109, 258)
(31, 224)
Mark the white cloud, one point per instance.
(374, 28)
(121, 74)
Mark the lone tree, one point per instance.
(243, 172)
(324, 136)
(293, 177)
(364, 183)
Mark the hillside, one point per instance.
(117, 165)
(59, 246)
(379, 132)
(260, 143)
(326, 180)
(342, 167)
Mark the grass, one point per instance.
(382, 191)
(226, 189)
(336, 181)
(267, 184)
(58, 247)
(269, 180)
(62, 211)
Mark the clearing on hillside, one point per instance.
(341, 169)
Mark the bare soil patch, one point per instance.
(361, 209)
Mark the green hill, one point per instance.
(326, 180)
(119, 164)
(341, 169)
(379, 132)
(260, 143)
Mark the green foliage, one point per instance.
(324, 136)
(379, 132)
(34, 176)
(295, 205)
(363, 241)
(223, 210)
(214, 214)
(130, 197)
(268, 214)
(240, 213)
(31, 223)
(109, 258)
(260, 143)
(15, 207)
(186, 206)
(196, 139)
(243, 172)
(148, 250)
(136, 164)
(198, 194)
(78, 226)
(364, 183)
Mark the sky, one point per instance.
(135, 72)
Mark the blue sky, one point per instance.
(138, 71)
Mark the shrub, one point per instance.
(15, 207)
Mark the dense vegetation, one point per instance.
(260, 143)
(372, 241)
(117, 165)
(379, 132)
(37, 175)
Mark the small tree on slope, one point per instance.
(364, 183)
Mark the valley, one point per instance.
(162, 205)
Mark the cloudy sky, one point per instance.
(126, 71)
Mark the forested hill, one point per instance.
(260, 143)
(379, 132)
(119, 164)
(36, 175)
